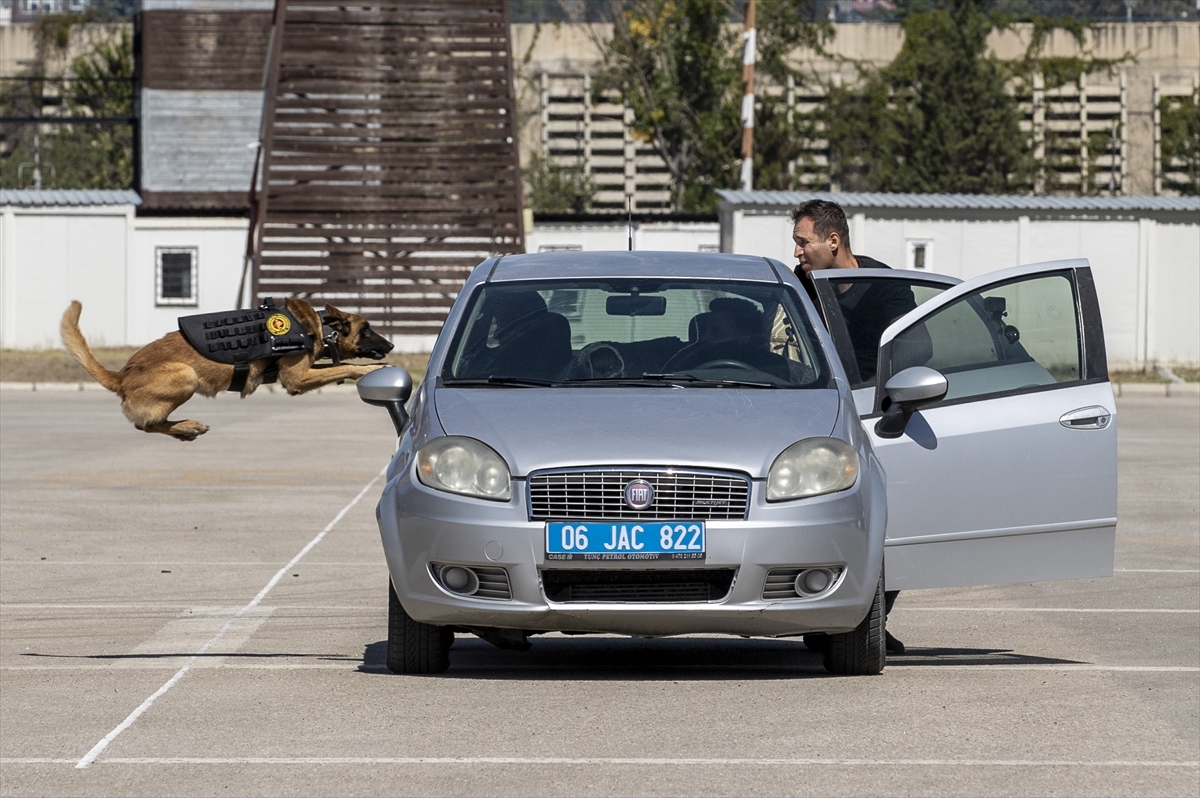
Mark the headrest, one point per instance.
(728, 304)
(516, 304)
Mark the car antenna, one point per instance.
(629, 210)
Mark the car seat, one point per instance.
(533, 343)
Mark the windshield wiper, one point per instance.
(617, 381)
(519, 382)
(694, 380)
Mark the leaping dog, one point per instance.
(162, 375)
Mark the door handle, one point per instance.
(1094, 417)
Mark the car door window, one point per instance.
(859, 308)
(1023, 334)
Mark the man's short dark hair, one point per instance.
(827, 217)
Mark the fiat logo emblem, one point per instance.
(639, 494)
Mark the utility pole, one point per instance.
(37, 162)
(748, 50)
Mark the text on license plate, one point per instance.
(606, 540)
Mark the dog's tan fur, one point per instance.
(162, 375)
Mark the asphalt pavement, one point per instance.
(209, 618)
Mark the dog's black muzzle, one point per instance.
(375, 347)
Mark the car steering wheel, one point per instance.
(583, 367)
(726, 363)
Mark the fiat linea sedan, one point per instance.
(671, 443)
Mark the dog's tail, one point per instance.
(76, 344)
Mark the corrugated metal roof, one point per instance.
(70, 197)
(964, 201)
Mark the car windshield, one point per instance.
(701, 333)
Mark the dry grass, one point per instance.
(1186, 373)
(56, 365)
(1189, 373)
(1134, 375)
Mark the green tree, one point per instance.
(939, 118)
(672, 61)
(101, 156)
(782, 136)
(943, 116)
(1180, 120)
(678, 64)
(78, 155)
(553, 188)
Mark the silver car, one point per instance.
(658, 444)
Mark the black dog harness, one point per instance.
(239, 337)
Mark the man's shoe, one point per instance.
(892, 645)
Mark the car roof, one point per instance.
(558, 265)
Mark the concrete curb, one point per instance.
(74, 387)
(1121, 389)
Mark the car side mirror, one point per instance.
(907, 392)
(388, 387)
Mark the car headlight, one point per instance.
(812, 467)
(464, 465)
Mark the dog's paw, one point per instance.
(189, 430)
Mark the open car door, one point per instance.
(1012, 477)
(845, 296)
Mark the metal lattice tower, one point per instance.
(389, 164)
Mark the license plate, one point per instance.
(607, 540)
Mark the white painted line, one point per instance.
(345, 665)
(191, 628)
(144, 605)
(99, 747)
(176, 563)
(1041, 609)
(912, 661)
(1157, 570)
(1034, 667)
(154, 605)
(550, 760)
(353, 608)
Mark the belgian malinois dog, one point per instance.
(164, 374)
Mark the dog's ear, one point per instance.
(337, 319)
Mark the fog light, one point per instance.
(813, 581)
(458, 580)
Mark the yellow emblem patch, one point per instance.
(278, 324)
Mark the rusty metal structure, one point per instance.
(389, 163)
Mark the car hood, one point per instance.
(723, 428)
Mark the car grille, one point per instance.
(781, 584)
(493, 583)
(568, 586)
(678, 495)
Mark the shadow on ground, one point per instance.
(625, 658)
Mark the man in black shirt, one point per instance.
(822, 240)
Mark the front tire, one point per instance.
(863, 650)
(415, 647)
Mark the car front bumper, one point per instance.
(420, 526)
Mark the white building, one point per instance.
(134, 275)
(137, 275)
(1144, 251)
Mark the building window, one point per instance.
(176, 276)
(560, 248)
(920, 254)
(708, 248)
